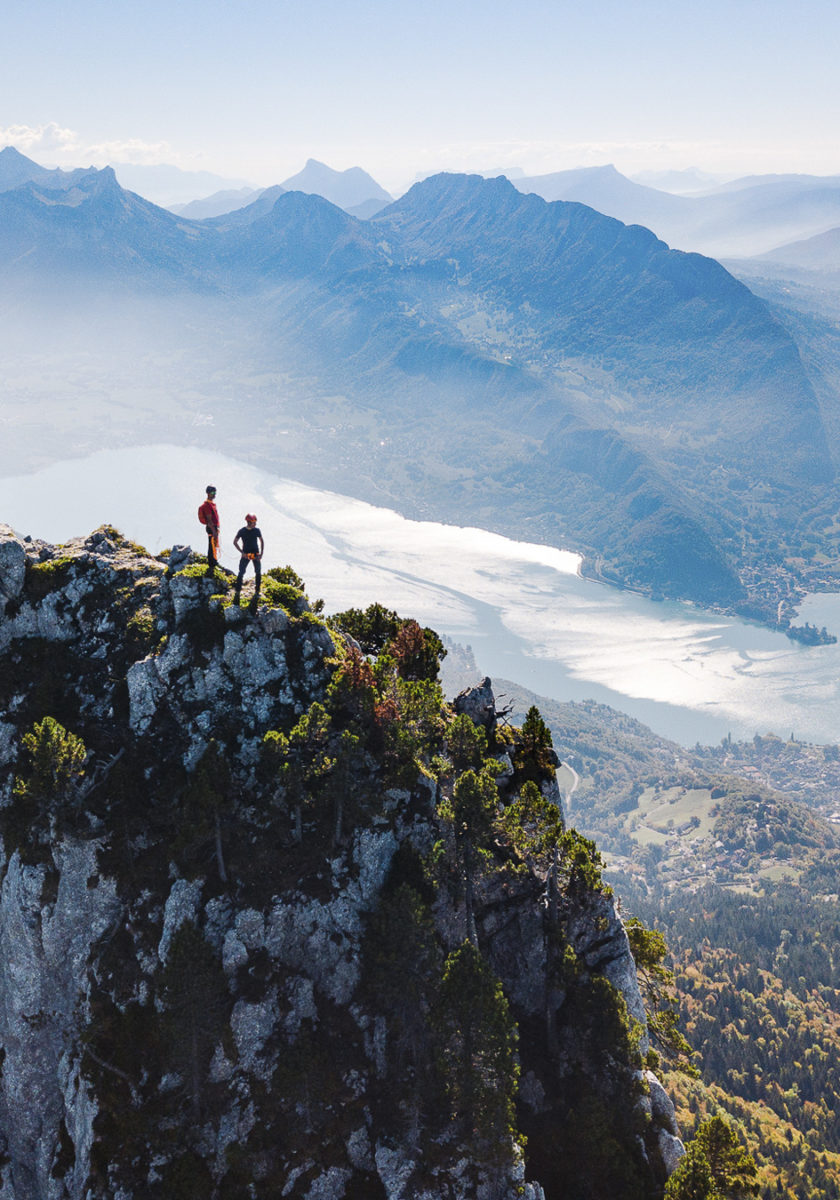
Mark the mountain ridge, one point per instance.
(736, 219)
(476, 323)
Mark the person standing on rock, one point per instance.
(208, 515)
(249, 543)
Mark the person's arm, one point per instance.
(236, 542)
(262, 547)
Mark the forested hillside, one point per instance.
(759, 986)
(732, 852)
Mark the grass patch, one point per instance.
(671, 811)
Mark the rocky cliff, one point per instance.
(275, 921)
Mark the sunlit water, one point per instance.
(523, 608)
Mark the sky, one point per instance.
(250, 89)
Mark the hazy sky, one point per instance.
(251, 88)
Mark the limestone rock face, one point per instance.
(478, 703)
(12, 565)
(45, 953)
(224, 975)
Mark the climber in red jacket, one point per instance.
(208, 515)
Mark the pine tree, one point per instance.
(49, 794)
(472, 811)
(533, 824)
(466, 743)
(206, 801)
(195, 1006)
(535, 758)
(649, 950)
(401, 958)
(477, 1038)
(692, 1179)
(58, 759)
(733, 1167)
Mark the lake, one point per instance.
(523, 608)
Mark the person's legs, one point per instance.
(257, 581)
(237, 587)
(211, 554)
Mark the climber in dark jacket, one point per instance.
(249, 543)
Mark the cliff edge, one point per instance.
(277, 921)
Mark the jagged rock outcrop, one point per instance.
(478, 703)
(226, 926)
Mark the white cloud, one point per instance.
(68, 148)
(49, 138)
(131, 150)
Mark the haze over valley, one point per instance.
(469, 352)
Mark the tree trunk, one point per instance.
(553, 997)
(469, 900)
(220, 858)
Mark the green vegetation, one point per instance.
(466, 744)
(471, 810)
(341, 814)
(657, 982)
(374, 628)
(282, 595)
(402, 964)
(693, 1179)
(477, 1048)
(141, 634)
(47, 796)
(758, 992)
(733, 1169)
(197, 570)
(534, 758)
(196, 1006)
(727, 853)
(533, 825)
(57, 763)
(286, 575)
(417, 652)
(43, 577)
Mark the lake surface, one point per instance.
(523, 608)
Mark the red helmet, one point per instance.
(250, 517)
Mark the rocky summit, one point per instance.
(276, 920)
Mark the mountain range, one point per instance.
(16, 169)
(353, 190)
(689, 210)
(736, 219)
(470, 352)
(820, 253)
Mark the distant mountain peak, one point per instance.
(346, 189)
(13, 154)
(17, 169)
